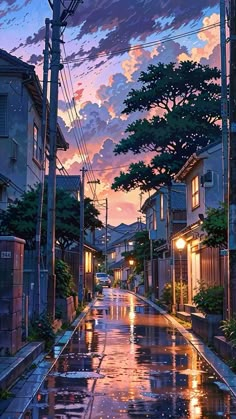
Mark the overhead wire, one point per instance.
(143, 45)
(78, 119)
(77, 132)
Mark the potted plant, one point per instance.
(209, 302)
(226, 345)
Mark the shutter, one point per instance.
(3, 116)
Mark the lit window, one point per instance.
(161, 206)
(88, 262)
(37, 151)
(113, 255)
(195, 192)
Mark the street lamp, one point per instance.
(180, 245)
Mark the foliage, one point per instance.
(167, 293)
(210, 300)
(215, 225)
(20, 218)
(64, 280)
(141, 250)
(99, 288)
(185, 102)
(228, 326)
(41, 329)
(166, 296)
(5, 394)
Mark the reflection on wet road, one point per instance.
(125, 360)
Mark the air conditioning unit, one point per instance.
(207, 179)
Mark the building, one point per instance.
(20, 129)
(165, 213)
(203, 176)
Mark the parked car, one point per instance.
(103, 279)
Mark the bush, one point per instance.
(42, 329)
(99, 288)
(64, 280)
(167, 295)
(210, 300)
(229, 328)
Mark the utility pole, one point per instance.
(81, 240)
(224, 101)
(106, 218)
(106, 226)
(41, 185)
(55, 67)
(232, 165)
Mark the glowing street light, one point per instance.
(180, 245)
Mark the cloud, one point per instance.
(210, 38)
(35, 59)
(12, 6)
(129, 21)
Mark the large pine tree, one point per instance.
(184, 101)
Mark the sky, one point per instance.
(106, 44)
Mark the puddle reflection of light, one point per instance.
(195, 409)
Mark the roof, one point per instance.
(13, 65)
(126, 237)
(199, 155)
(117, 265)
(178, 196)
(69, 183)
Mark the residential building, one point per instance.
(203, 176)
(20, 128)
(116, 261)
(165, 213)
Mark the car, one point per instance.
(103, 279)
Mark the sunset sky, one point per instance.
(106, 45)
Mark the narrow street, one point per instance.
(126, 360)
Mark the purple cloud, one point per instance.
(130, 20)
(13, 6)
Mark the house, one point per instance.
(203, 176)
(116, 261)
(165, 213)
(20, 128)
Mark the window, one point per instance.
(3, 116)
(37, 151)
(14, 150)
(113, 255)
(162, 206)
(195, 192)
(88, 262)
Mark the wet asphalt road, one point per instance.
(127, 361)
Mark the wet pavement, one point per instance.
(126, 360)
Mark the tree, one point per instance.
(215, 225)
(185, 101)
(141, 250)
(19, 219)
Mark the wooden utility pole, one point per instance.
(55, 67)
(41, 185)
(224, 100)
(232, 165)
(81, 241)
(106, 238)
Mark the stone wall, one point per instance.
(11, 291)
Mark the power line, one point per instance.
(78, 132)
(144, 45)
